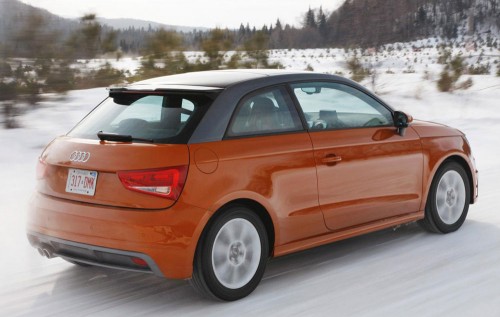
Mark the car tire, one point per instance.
(448, 200)
(231, 256)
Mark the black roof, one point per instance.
(229, 87)
(216, 78)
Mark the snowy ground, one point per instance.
(402, 272)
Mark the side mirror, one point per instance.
(401, 121)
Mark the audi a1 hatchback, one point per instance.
(205, 176)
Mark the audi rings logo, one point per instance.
(79, 156)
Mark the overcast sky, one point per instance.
(216, 13)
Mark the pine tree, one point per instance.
(257, 49)
(90, 40)
(241, 31)
(310, 20)
(322, 27)
(163, 55)
(278, 25)
(216, 46)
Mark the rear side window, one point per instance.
(265, 112)
(164, 118)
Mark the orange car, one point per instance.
(205, 176)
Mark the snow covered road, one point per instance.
(402, 272)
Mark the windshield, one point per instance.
(165, 118)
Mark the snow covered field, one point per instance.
(401, 272)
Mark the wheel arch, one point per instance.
(460, 160)
(432, 221)
(257, 208)
(451, 158)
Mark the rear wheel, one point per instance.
(231, 256)
(448, 199)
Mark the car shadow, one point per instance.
(99, 291)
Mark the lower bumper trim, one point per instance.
(93, 255)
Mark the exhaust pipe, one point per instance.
(46, 251)
(48, 254)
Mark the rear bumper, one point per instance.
(108, 236)
(91, 254)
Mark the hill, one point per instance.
(375, 22)
(357, 23)
(14, 15)
(21, 25)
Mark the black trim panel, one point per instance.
(62, 248)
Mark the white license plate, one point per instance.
(81, 182)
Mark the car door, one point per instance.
(366, 171)
(266, 156)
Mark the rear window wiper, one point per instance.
(105, 136)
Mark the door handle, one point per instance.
(329, 159)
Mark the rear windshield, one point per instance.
(165, 118)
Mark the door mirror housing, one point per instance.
(401, 121)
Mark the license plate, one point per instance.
(81, 182)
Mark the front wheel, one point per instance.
(231, 255)
(448, 200)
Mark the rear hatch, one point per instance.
(129, 152)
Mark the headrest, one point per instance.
(262, 104)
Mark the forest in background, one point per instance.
(357, 23)
(38, 50)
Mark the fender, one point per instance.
(437, 151)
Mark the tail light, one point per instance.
(41, 169)
(165, 182)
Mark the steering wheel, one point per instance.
(319, 125)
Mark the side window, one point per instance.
(265, 112)
(337, 106)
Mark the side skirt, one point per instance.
(346, 233)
